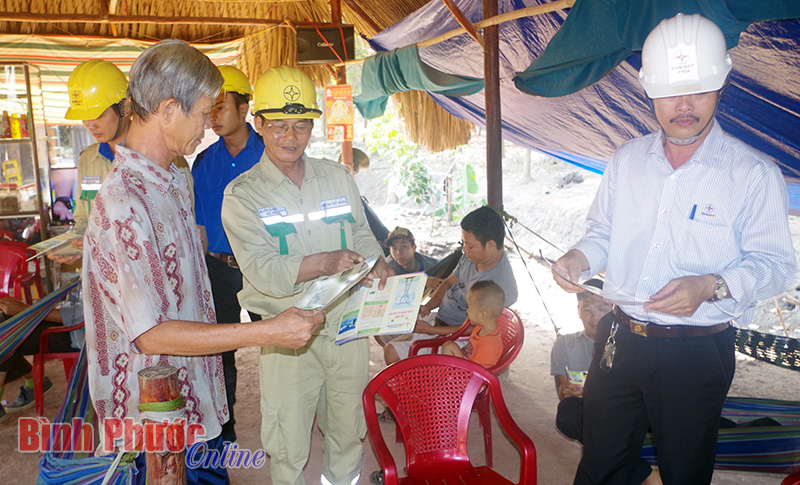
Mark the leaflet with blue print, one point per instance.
(324, 290)
(393, 310)
(58, 245)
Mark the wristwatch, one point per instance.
(67, 201)
(721, 291)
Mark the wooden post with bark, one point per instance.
(159, 384)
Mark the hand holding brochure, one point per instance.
(59, 245)
(394, 309)
(324, 290)
(548, 263)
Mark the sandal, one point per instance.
(376, 477)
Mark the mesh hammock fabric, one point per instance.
(768, 449)
(16, 329)
(72, 467)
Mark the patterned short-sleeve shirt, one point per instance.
(144, 265)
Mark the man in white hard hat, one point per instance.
(691, 228)
(290, 220)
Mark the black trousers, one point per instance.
(17, 365)
(569, 420)
(674, 386)
(226, 282)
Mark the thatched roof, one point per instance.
(265, 26)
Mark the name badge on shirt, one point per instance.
(90, 183)
(331, 208)
(274, 215)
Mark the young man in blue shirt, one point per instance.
(239, 148)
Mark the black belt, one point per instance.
(650, 329)
(226, 258)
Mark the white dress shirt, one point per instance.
(724, 211)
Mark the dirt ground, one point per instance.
(527, 386)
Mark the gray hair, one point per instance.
(171, 69)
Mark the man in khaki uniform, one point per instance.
(291, 219)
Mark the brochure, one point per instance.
(548, 263)
(59, 245)
(393, 310)
(324, 290)
(576, 377)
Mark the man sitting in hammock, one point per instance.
(69, 314)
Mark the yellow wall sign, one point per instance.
(339, 112)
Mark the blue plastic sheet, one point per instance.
(761, 106)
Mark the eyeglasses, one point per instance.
(299, 128)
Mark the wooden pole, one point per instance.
(780, 315)
(494, 138)
(341, 78)
(464, 22)
(363, 16)
(487, 22)
(160, 384)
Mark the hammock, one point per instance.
(16, 329)
(781, 351)
(768, 449)
(75, 467)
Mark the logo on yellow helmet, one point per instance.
(291, 93)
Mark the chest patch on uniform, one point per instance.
(274, 215)
(90, 183)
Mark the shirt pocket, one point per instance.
(702, 248)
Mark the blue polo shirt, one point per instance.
(214, 168)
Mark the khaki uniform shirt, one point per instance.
(264, 195)
(93, 168)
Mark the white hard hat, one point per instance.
(684, 55)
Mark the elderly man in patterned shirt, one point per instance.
(147, 294)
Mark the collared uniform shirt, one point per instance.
(724, 211)
(94, 164)
(213, 170)
(143, 265)
(264, 196)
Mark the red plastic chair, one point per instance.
(69, 359)
(431, 397)
(15, 278)
(513, 333)
(793, 479)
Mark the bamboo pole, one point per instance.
(49, 18)
(159, 384)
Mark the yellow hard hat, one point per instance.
(94, 86)
(235, 82)
(285, 92)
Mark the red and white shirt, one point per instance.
(143, 265)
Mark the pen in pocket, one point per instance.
(694, 209)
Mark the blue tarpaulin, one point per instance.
(761, 106)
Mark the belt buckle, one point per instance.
(639, 328)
